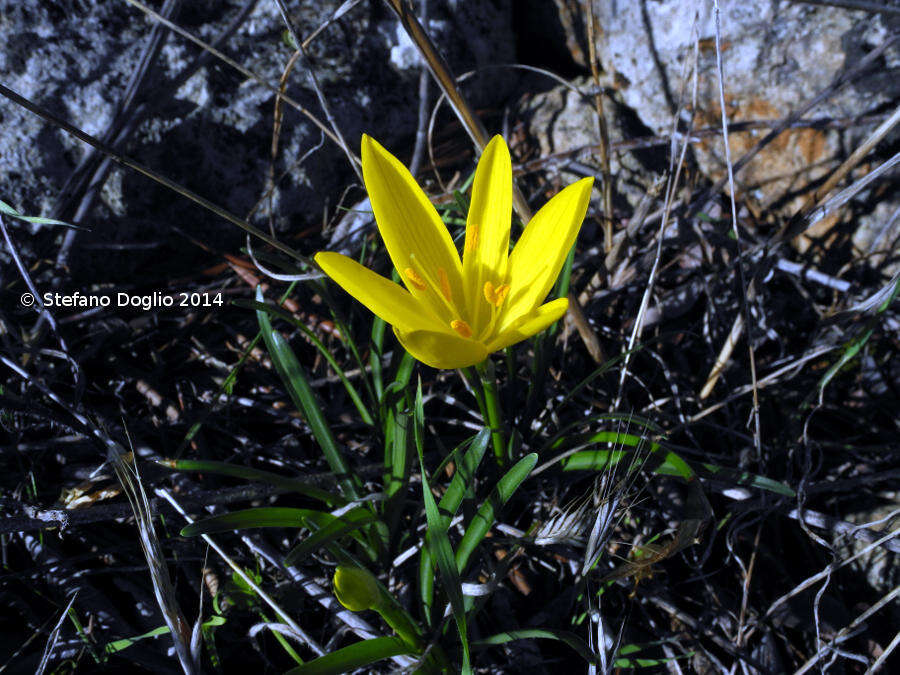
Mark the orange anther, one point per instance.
(471, 238)
(495, 295)
(489, 292)
(445, 285)
(500, 294)
(461, 327)
(414, 279)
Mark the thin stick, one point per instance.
(149, 173)
(442, 74)
(422, 122)
(604, 131)
(839, 81)
(744, 291)
(165, 494)
(237, 66)
(818, 198)
(320, 96)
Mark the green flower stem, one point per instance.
(494, 415)
(357, 590)
(396, 618)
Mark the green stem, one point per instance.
(402, 625)
(492, 409)
(436, 662)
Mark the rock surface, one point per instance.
(564, 119)
(777, 56)
(214, 133)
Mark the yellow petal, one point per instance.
(383, 297)
(541, 250)
(487, 227)
(440, 349)
(530, 324)
(408, 222)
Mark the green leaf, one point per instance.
(673, 465)
(461, 483)
(487, 512)
(125, 643)
(248, 473)
(294, 378)
(280, 312)
(464, 477)
(7, 210)
(743, 478)
(264, 516)
(353, 656)
(593, 460)
(568, 638)
(338, 527)
(438, 541)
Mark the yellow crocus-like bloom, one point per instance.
(453, 314)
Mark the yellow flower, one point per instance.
(453, 314)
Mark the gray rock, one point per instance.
(214, 133)
(564, 119)
(878, 565)
(776, 56)
(877, 239)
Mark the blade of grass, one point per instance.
(294, 378)
(317, 343)
(396, 467)
(125, 643)
(335, 529)
(464, 478)
(250, 474)
(395, 392)
(672, 464)
(571, 639)
(263, 516)
(439, 542)
(487, 512)
(376, 354)
(352, 657)
(743, 478)
(6, 209)
(460, 484)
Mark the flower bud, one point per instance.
(356, 588)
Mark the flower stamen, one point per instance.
(445, 284)
(495, 295)
(417, 281)
(440, 286)
(471, 239)
(461, 327)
